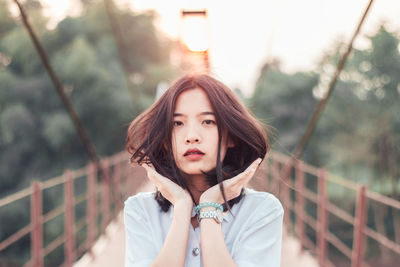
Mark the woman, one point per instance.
(200, 147)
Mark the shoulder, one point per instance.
(262, 202)
(141, 201)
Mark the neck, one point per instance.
(197, 185)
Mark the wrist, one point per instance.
(185, 206)
(205, 199)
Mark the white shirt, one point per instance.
(253, 237)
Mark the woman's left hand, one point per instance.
(232, 186)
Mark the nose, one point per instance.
(192, 136)
(192, 140)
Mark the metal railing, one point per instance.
(104, 199)
(294, 191)
(298, 187)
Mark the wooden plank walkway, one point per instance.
(109, 250)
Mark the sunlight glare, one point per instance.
(194, 33)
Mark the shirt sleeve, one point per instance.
(260, 243)
(140, 250)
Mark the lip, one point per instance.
(193, 156)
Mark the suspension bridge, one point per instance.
(90, 204)
(96, 235)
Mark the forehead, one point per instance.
(193, 101)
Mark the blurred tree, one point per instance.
(6, 21)
(37, 139)
(356, 136)
(285, 102)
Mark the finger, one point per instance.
(257, 162)
(147, 166)
(156, 178)
(246, 174)
(253, 167)
(150, 173)
(150, 170)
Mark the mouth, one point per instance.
(193, 154)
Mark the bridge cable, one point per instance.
(90, 149)
(322, 103)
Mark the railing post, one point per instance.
(276, 178)
(267, 174)
(286, 172)
(117, 187)
(91, 205)
(105, 182)
(127, 179)
(359, 224)
(300, 204)
(322, 218)
(37, 226)
(69, 222)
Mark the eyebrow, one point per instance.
(201, 113)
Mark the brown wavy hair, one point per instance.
(149, 135)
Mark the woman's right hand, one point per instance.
(170, 190)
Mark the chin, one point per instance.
(195, 168)
(192, 172)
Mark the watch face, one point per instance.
(216, 215)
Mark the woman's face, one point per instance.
(194, 129)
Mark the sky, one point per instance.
(246, 34)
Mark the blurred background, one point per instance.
(115, 57)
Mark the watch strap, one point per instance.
(213, 214)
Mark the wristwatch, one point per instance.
(213, 214)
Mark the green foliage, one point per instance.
(357, 135)
(285, 102)
(24, 60)
(6, 21)
(37, 137)
(365, 112)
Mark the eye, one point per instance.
(209, 122)
(177, 123)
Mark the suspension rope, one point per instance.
(90, 149)
(322, 103)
